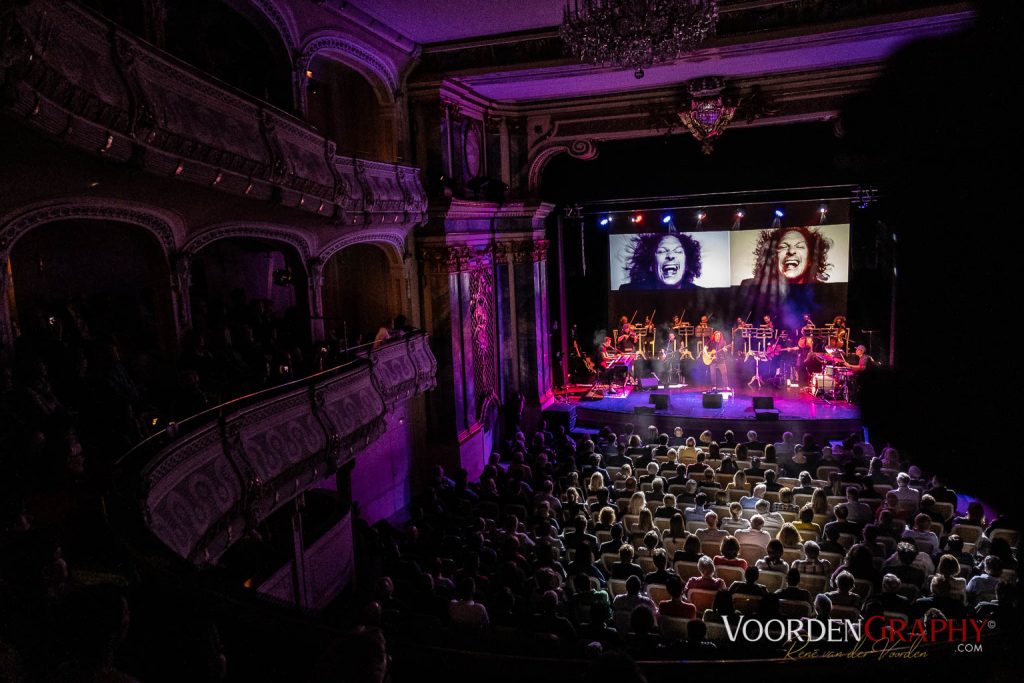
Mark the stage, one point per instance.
(798, 412)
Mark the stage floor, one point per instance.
(798, 412)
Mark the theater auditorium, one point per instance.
(551, 340)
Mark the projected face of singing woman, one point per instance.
(670, 261)
(792, 255)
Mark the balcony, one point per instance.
(71, 75)
(201, 485)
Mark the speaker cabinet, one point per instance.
(711, 400)
(660, 401)
(563, 414)
(764, 403)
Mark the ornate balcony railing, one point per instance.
(67, 72)
(205, 483)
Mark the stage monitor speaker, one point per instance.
(563, 414)
(643, 410)
(648, 383)
(766, 415)
(764, 403)
(711, 400)
(660, 401)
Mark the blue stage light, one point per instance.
(605, 221)
(779, 213)
(667, 219)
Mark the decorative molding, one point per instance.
(393, 238)
(580, 149)
(275, 233)
(379, 71)
(168, 228)
(138, 107)
(201, 493)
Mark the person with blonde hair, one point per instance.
(605, 519)
(637, 502)
(789, 536)
(711, 532)
(646, 522)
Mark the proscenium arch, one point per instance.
(379, 72)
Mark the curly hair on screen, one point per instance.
(766, 256)
(640, 262)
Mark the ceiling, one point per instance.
(434, 21)
(829, 50)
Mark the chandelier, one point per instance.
(636, 33)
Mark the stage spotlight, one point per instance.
(667, 219)
(779, 213)
(701, 215)
(822, 213)
(636, 218)
(605, 221)
(740, 214)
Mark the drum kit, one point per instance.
(833, 382)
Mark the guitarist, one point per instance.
(715, 358)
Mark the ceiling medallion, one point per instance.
(636, 33)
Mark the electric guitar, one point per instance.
(709, 356)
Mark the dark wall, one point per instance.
(744, 159)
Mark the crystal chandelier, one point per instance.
(636, 33)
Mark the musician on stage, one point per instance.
(766, 322)
(627, 339)
(837, 338)
(716, 347)
(807, 362)
(864, 361)
(609, 355)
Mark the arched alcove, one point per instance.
(343, 105)
(239, 281)
(363, 289)
(94, 280)
(239, 49)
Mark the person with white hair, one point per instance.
(755, 444)
(755, 535)
(750, 502)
